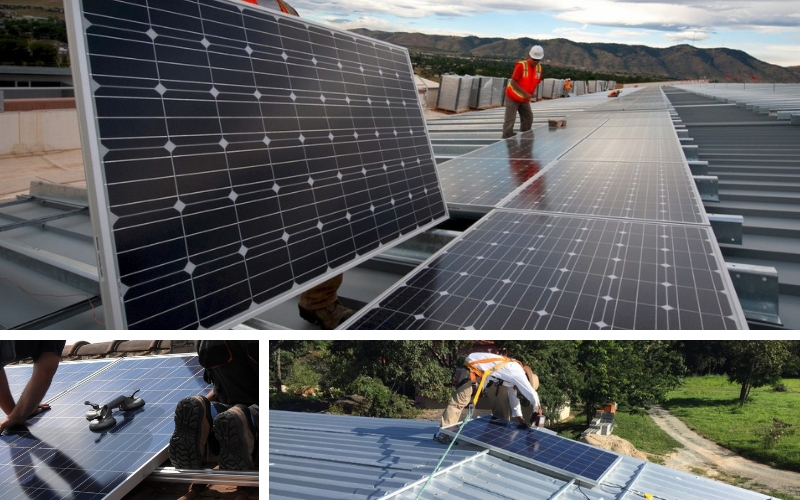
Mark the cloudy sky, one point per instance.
(768, 30)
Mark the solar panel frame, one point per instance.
(58, 455)
(547, 452)
(271, 238)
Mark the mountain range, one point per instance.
(679, 62)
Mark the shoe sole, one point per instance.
(229, 431)
(184, 450)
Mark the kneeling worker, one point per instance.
(485, 367)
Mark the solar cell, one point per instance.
(532, 270)
(661, 192)
(237, 155)
(555, 454)
(58, 457)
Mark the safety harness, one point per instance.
(474, 372)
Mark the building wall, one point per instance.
(39, 131)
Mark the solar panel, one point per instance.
(529, 270)
(478, 181)
(552, 453)
(67, 375)
(623, 149)
(237, 155)
(636, 190)
(57, 456)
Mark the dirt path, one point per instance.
(716, 461)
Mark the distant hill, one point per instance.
(680, 62)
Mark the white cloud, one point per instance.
(687, 36)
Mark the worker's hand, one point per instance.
(39, 409)
(7, 423)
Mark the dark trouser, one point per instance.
(498, 397)
(525, 117)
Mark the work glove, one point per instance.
(523, 425)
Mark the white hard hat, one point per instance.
(537, 52)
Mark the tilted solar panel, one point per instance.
(555, 454)
(236, 155)
(58, 457)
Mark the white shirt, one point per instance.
(511, 373)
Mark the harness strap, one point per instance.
(474, 371)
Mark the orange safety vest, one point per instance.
(527, 78)
(283, 6)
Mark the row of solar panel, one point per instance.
(610, 232)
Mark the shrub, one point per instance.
(302, 378)
(771, 434)
(380, 401)
(780, 387)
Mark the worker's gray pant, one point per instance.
(525, 117)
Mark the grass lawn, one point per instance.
(710, 406)
(644, 434)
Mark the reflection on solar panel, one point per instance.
(658, 192)
(238, 155)
(480, 180)
(562, 456)
(58, 457)
(68, 374)
(541, 271)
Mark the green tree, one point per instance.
(424, 367)
(755, 363)
(283, 354)
(43, 54)
(636, 373)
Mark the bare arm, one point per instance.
(43, 371)
(6, 399)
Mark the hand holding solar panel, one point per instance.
(101, 418)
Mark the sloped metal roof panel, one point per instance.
(314, 456)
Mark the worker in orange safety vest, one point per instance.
(520, 90)
(567, 87)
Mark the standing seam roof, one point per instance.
(315, 456)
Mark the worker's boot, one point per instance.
(237, 438)
(327, 317)
(187, 446)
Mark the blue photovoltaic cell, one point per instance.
(68, 374)
(554, 453)
(58, 457)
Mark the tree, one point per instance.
(284, 353)
(755, 363)
(424, 367)
(636, 373)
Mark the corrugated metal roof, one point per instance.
(755, 153)
(313, 456)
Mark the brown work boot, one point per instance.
(187, 446)
(237, 438)
(327, 317)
